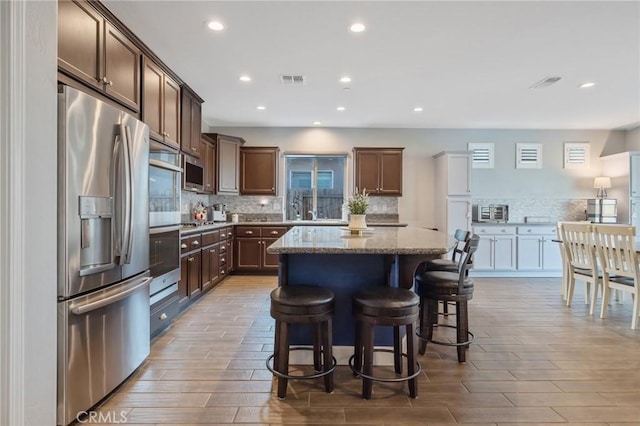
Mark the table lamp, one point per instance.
(602, 183)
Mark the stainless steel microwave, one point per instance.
(490, 213)
(193, 174)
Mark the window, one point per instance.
(481, 155)
(577, 155)
(529, 156)
(315, 186)
(303, 179)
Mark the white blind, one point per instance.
(481, 155)
(529, 156)
(577, 155)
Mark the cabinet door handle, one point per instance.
(192, 148)
(104, 80)
(184, 246)
(212, 251)
(191, 259)
(163, 316)
(110, 83)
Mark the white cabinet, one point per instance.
(458, 214)
(634, 181)
(496, 248)
(458, 167)
(537, 250)
(452, 191)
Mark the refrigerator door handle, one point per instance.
(116, 180)
(127, 219)
(108, 300)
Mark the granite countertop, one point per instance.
(513, 223)
(381, 240)
(186, 230)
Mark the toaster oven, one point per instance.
(492, 213)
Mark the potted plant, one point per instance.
(358, 210)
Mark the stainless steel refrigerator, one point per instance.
(103, 249)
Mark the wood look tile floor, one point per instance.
(534, 362)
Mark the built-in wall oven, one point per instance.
(164, 259)
(165, 180)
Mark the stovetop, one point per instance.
(201, 223)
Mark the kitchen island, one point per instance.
(333, 258)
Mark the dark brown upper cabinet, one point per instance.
(379, 170)
(227, 163)
(161, 104)
(93, 51)
(208, 156)
(191, 122)
(258, 170)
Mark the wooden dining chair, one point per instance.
(582, 261)
(564, 284)
(617, 251)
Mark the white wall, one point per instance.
(632, 140)
(504, 181)
(28, 213)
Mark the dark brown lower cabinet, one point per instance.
(210, 266)
(249, 253)
(194, 261)
(251, 248)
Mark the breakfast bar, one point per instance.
(345, 263)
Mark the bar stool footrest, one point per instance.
(305, 377)
(471, 337)
(382, 379)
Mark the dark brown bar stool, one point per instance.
(434, 286)
(301, 304)
(385, 306)
(450, 265)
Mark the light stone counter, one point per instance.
(382, 240)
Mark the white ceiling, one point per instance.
(468, 64)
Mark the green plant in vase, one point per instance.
(358, 204)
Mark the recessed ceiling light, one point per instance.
(261, 107)
(587, 84)
(215, 26)
(345, 80)
(417, 109)
(341, 108)
(316, 123)
(245, 78)
(357, 28)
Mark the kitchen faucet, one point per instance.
(314, 215)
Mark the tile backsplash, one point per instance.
(555, 209)
(270, 205)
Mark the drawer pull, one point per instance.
(191, 259)
(212, 251)
(248, 232)
(183, 245)
(163, 316)
(196, 243)
(274, 232)
(222, 259)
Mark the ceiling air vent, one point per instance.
(545, 82)
(292, 80)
